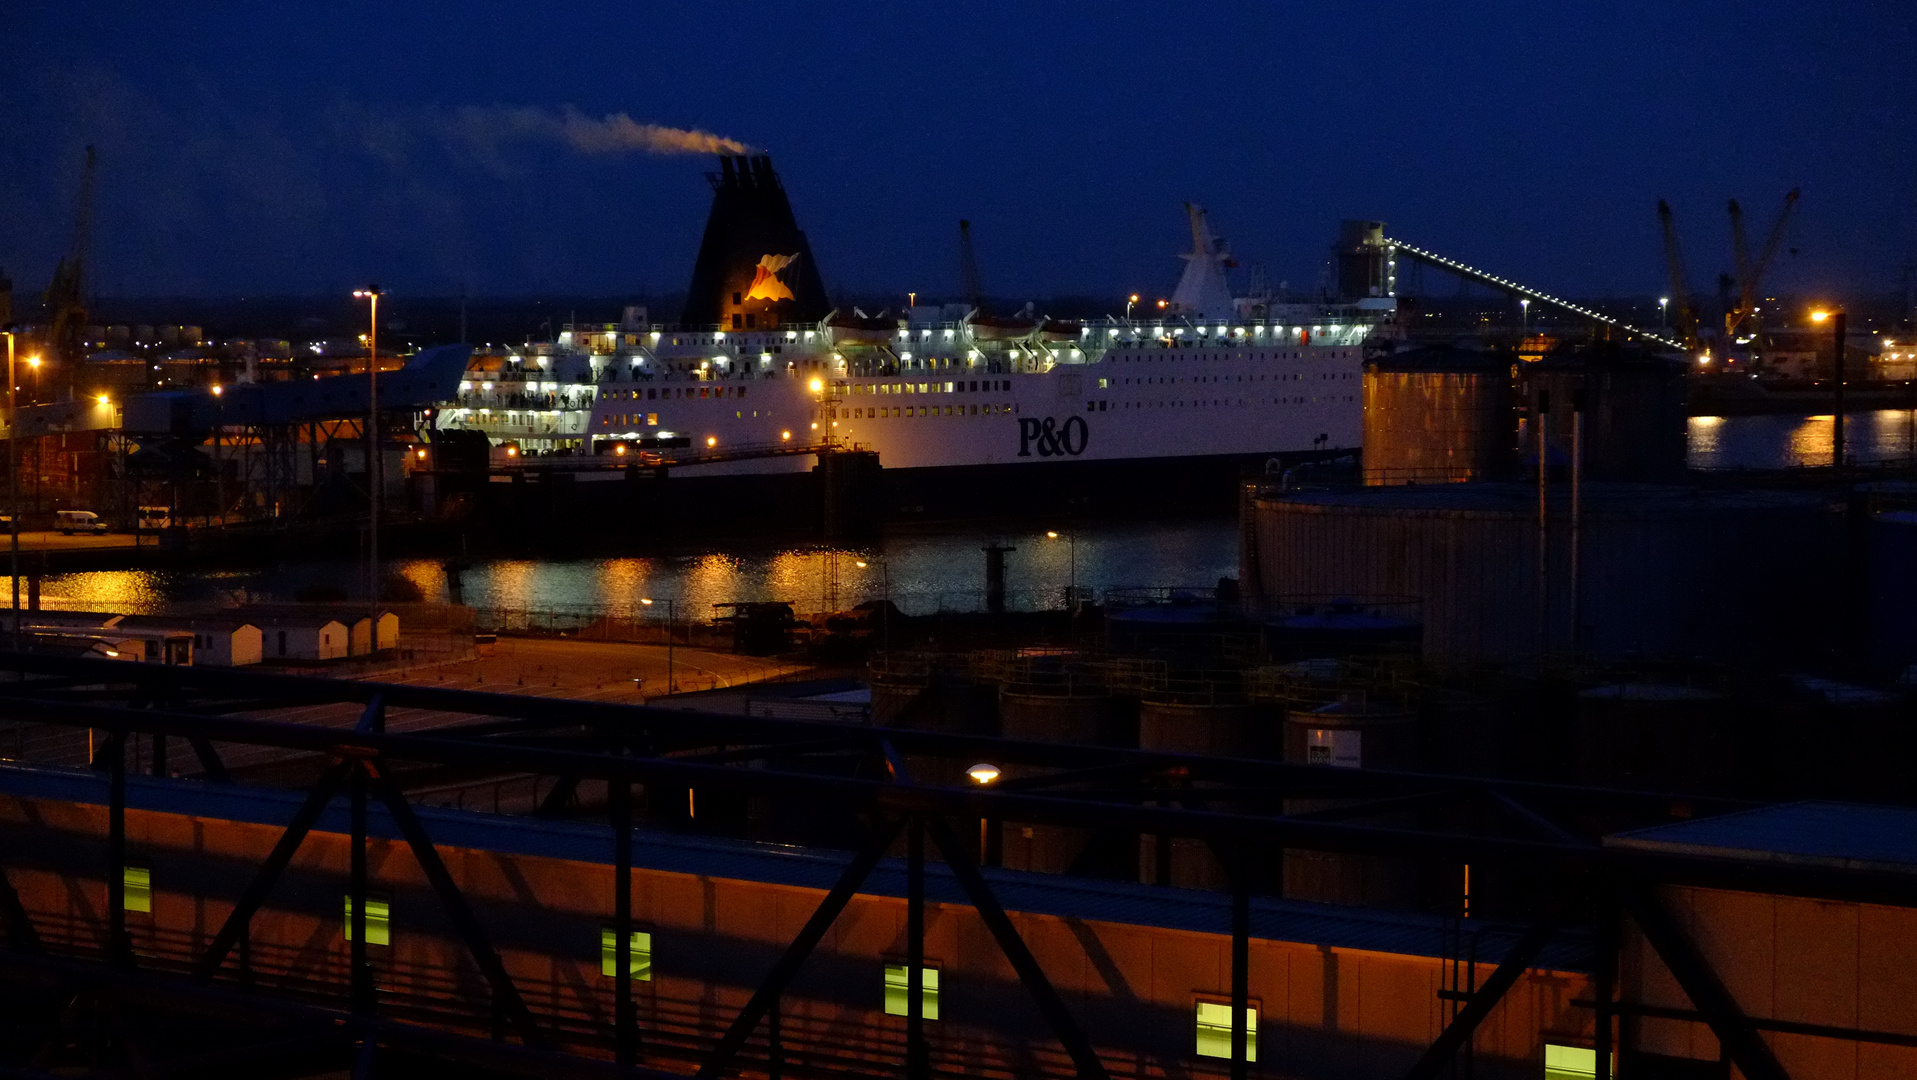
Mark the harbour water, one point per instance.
(920, 569)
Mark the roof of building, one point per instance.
(1850, 836)
(1201, 911)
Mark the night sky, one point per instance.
(250, 148)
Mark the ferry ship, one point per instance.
(760, 365)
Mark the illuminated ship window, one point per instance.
(1214, 1030)
(897, 993)
(638, 962)
(379, 920)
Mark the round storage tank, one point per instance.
(1222, 730)
(1635, 408)
(1304, 627)
(1084, 719)
(1352, 732)
(1440, 415)
(1661, 571)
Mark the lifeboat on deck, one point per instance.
(858, 329)
(1001, 327)
(1061, 330)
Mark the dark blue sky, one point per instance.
(254, 148)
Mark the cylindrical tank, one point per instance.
(1662, 571)
(1657, 738)
(1085, 718)
(1350, 733)
(1440, 415)
(1301, 627)
(1634, 407)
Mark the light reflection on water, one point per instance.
(921, 571)
(1782, 442)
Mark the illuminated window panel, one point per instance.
(1214, 1031)
(897, 998)
(379, 921)
(138, 882)
(1569, 1062)
(638, 964)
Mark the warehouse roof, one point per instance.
(1844, 835)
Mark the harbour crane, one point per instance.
(1684, 319)
(65, 296)
(1750, 275)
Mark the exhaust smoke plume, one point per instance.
(614, 134)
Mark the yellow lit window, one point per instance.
(897, 998)
(639, 964)
(379, 924)
(1569, 1062)
(1214, 1031)
(139, 888)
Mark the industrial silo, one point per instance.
(1632, 404)
(1355, 731)
(1439, 415)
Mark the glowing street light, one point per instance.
(1663, 310)
(1129, 301)
(372, 293)
(983, 773)
(1837, 320)
(1071, 591)
(13, 486)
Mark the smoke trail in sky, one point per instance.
(613, 134)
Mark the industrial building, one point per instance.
(518, 886)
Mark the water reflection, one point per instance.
(923, 570)
(1783, 442)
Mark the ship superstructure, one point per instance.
(937, 387)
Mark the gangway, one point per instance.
(1472, 273)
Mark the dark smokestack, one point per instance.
(755, 268)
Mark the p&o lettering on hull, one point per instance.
(1051, 438)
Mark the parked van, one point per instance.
(78, 521)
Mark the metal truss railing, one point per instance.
(912, 786)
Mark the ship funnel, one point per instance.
(755, 268)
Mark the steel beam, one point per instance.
(801, 947)
(993, 915)
(505, 993)
(1438, 1055)
(270, 870)
(1734, 1030)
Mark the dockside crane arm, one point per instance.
(1750, 277)
(1686, 315)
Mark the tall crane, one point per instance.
(65, 296)
(1685, 317)
(1750, 275)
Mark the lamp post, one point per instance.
(1071, 590)
(372, 293)
(13, 489)
(1663, 312)
(648, 601)
(1129, 301)
(1524, 316)
(219, 472)
(984, 774)
(1837, 320)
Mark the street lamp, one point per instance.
(219, 473)
(648, 601)
(1524, 315)
(1129, 301)
(372, 293)
(984, 774)
(1071, 591)
(1663, 310)
(13, 488)
(1837, 321)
